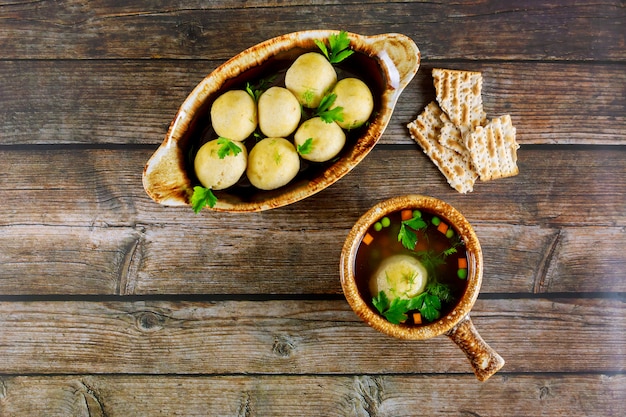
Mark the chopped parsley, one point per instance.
(407, 235)
(339, 45)
(306, 147)
(277, 157)
(427, 303)
(308, 96)
(326, 113)
(201, 198)
(227, 147)
(255, 90)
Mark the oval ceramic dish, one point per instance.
(387, 62)
(457, 324)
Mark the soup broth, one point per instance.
(435, 244)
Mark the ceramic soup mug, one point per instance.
(359, 263)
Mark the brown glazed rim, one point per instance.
(475, 267)
(165, 177)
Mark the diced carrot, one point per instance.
(367, 239)
(406, 214)
(462, 263)
(417, 318)
(443, 228)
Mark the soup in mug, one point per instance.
(411, 267)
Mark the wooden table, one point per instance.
(113, 305)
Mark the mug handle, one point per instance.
(484, 360)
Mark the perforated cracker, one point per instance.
(459, 94)
(439, 142)
(493, 149)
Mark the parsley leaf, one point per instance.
(255, 90)
(427, 303)
(396, 313)
(306, 147)
(226, 147)
(416, 302)
(381, 302)
(395, 310)
(416, 223)
(339, 45)
(202, 197)
(441, 291)
(430, 308)
(407, 236)
(326, 113)
(322, 47)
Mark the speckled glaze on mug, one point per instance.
(166, 177)
(457, 324)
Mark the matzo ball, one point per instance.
(357, 101)
(309, 78)
(272, 163)
(234, 115)
(327, 140)
(219, 173)
(279, 112)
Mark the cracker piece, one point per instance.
(426, 130)
(450, 136)
(493, 149)
(459, 93)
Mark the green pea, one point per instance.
(378, 227)
(449, 233)
(417, 214)
(385, 221)
(435, 221)
(461, 273)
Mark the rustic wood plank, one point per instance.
(517, 259)
(120, 395)
(133, 102)
(65, 260)
(462, 30)
(90, 210)
(155, 260)
(296, 337)
(549, 103)
(102, 187)
(111, 305)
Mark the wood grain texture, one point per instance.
(133, 102)
(195, 30)
(102, 187)
(83, 225)
(112, 305)
(296, 337)
(315, 395)
(157, 260)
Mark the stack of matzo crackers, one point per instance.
(455, 134)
